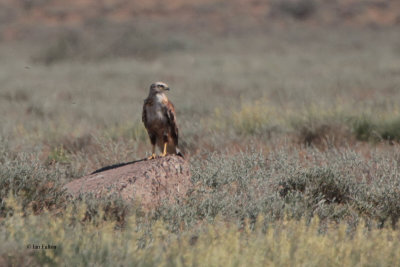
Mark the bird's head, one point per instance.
(158, 87)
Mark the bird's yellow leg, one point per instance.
(165, 150)
(153, 152)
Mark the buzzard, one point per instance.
(160, 121)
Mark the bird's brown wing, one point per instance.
(144, 113)
(169, 112)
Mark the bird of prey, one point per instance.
(160, 121)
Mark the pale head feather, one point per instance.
(158, 87)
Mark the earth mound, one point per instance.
(149, 181)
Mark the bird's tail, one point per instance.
(179, 153)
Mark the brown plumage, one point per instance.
(160, 120)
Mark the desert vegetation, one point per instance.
(292, 134)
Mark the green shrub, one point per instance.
(253, 119)
(364, 129)
(27, 179)
(390, 130)
(319, 184)
(367, 129)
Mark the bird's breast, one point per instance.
(155, 113)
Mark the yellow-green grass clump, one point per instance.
(73, 242)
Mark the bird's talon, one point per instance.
(153, 156)
(164, 151)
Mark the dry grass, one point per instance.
(290, 126)
(286, 242)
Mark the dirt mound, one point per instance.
(149, 181)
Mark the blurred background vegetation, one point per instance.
(288, 113)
